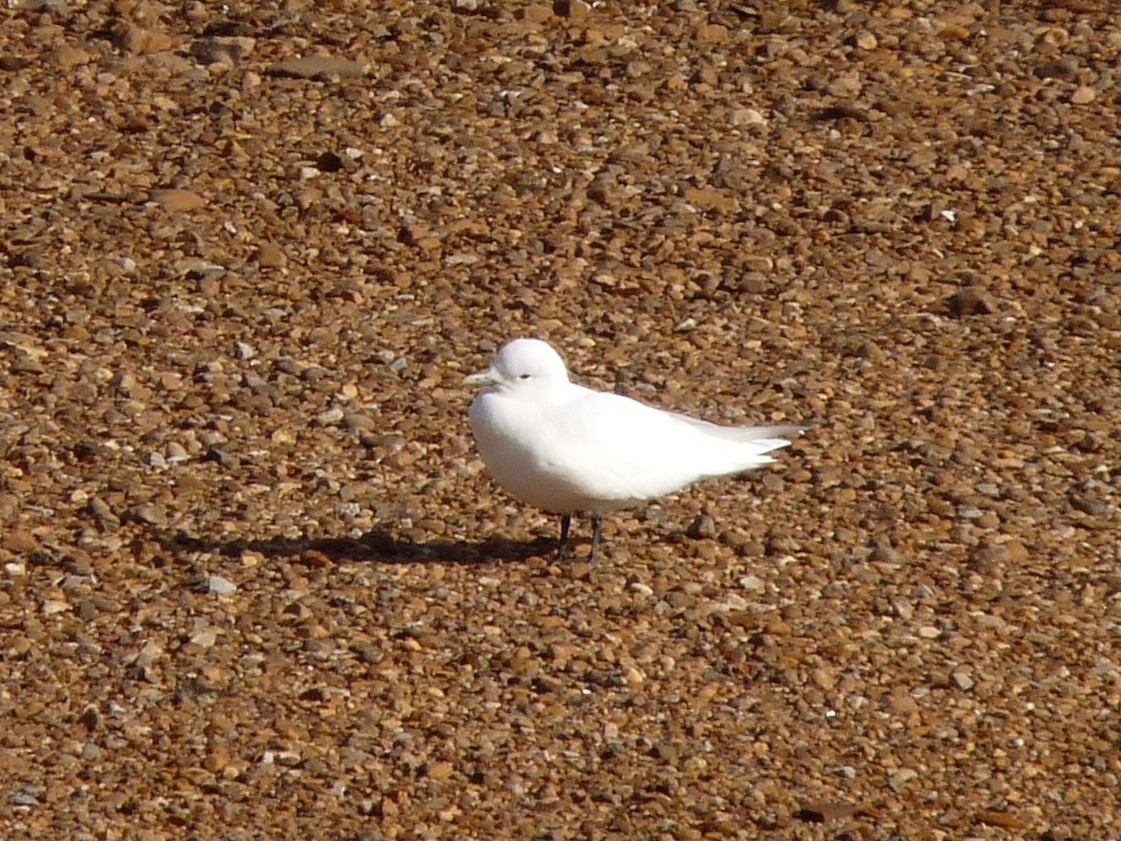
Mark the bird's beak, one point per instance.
(487, 377)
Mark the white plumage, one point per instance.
(568, 449)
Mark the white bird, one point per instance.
(568, 449)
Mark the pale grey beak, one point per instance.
(487, 377)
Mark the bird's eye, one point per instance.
(523, 376)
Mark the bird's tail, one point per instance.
(765, 438)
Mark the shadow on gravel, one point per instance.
(378, 546)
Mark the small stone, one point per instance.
(222, 49)
(19, 541)
(220, 586)
(822, 812)
(864, 40)
(1089, 505)
(884, 552)
(1016, 552)
(147, 512)
(149, 654)
(969, 301)
(318, 67)
(331, 417)
(440, 771)
(1065, 67)
(358, 422)
(418, 237)
(778, 628)
(270, 256)
(1083, 95)
(222, 457)
(67, 57)
(537, 13)
(283, 435)
(747, 117)
(901, 778)
(177, 200)
(177, 453)
(573, 9)
(924, 158)
(53, 606)
(773, 483)
(139, 41)
(846, 85)
(709, 198)
(88, 610)
(634, 676)
(712, 33)
(752, 584)
(702, 527)
(171, 380)
(1004, 820)
(823, 679)
(902, 703)
(100, 509)
(963, 680)
(205, 638)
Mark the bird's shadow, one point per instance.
(376, 546)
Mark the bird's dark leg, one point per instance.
(597, 526)
(562, 547)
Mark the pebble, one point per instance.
(747, 117)
(319, 67)
(220, 586)
(138, 40)
(969, 301)
(177, 453)
(147, 513)
(902, 778)
(178, 200)
(963, 680)
(222, 49)
(703, 527)
(865, 40)
(206, 637)
(1083, 95)
(752, 584)
(331, 416)
(270, 256)
(100, 509)
(19, 541)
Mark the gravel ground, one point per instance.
(254, 581)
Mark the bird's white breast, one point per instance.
(521, 446)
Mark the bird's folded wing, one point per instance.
(778, 436)
(621, 449)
